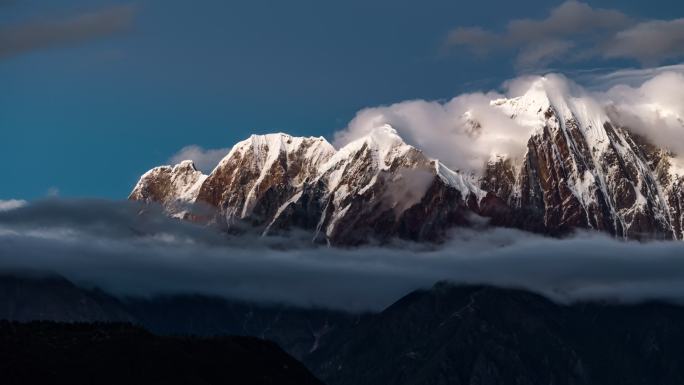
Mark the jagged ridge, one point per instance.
(377, 186)
(580, 170)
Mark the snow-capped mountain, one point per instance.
(580, 170)
(376, 186)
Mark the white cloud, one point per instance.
(205, 159)
(445, 130)
(11, 204)
(628, 77)
(649, 103)
(653, 109)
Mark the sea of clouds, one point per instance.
(131, 250)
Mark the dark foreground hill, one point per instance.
(300, 331)
(59, 353)
(446, 335)
(485, 335)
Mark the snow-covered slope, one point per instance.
(175, 187)
(261, 173)
(378, 184)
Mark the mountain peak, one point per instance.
(383, 141)
(185, 165)
(579, 171)
(529, 108)
(268, 148)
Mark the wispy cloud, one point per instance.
(47, 33)
(575, 31)
(650, 42)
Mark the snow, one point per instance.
(319, 160)
(335, 218)
(574, 109)
(267, 149)
(280, 210)
(384, 142)
(550, 92)
(187, 181)
(527, 110)
(458, 181)
(551, 103)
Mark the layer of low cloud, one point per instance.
(575, 31)
(111, 245)
(469, 130)
(205, 159)
(74, 30)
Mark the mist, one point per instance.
(131, 250)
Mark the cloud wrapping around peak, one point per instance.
(653, 109)
(48, 33)
(469, 130)
(575, 31)
(450, 131)
(205, 159)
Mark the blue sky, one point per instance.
(94, 93)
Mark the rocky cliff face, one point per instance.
(580, 170)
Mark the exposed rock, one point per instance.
(581, 172)
(375, 187)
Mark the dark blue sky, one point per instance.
(87, 114)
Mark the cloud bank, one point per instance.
(112, 245)
(469, 130)
(575, 31)
(48, 33)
